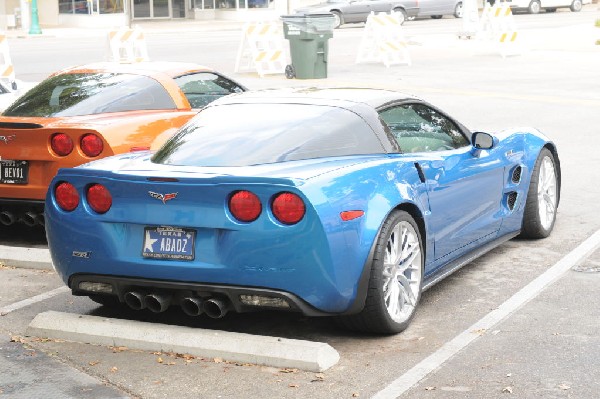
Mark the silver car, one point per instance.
(438, 8)
(355, 11)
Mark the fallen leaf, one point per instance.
(355, 395)
(16, 338)
(114, 369)
(93, 363)
(116, 349)
(430, 388)
(481, 331)
(218, 360)
(171, 364)
(159, 360)
(288, 370)
(507, 390)
(320, 377)
(157, 353)
(294, 386)
(564, 386)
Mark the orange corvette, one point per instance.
(89, 112)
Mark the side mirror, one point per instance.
(482, 141)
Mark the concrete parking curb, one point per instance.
(237, 347)
(30, 258)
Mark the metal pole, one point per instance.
(34, 29)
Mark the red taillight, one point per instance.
(91, 145)
(61, 144)
(66, 196)
(99, 198)
(288, 208)
(245, 206)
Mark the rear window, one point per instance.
(250, 134)
(91, 93)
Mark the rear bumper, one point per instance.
(180, 290)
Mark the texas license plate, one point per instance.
(166, 242)
(14, 172)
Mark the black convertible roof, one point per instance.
(338, 96)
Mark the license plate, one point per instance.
(14, 172)
(166, 242)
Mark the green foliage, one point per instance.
(598, 23)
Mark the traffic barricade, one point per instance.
(383, 40)
(261, 49)
(127, 46)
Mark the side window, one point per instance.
(203, 88)
(418, 128)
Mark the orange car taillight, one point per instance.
(99, 198)
(66, 196)
(91, 145)
(245, 206)
(61, 144)
(288, 208)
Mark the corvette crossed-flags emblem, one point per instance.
(163, 197)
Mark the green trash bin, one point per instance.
(308, 36)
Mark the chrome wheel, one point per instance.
(395, 279)
(458, 10)
(547, 193)
(337, 19)
(534, 7)
(576, 6)
(402, 272)
(543, 196)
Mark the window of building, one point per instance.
(90, 6)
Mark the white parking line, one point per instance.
(451, 348)
(30, 301)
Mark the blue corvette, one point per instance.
(329, 202)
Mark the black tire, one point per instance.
(403, 16)
(436, 16)
(458, 10)
(534, 7)
(375, 317)
(533, 224)
(576, 5)
(339, 20)
(111, 301)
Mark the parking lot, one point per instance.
(522, 321)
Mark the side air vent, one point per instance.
(516, 174)
(19, 125)
(511, 200)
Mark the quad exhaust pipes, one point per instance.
(192, 306)
(30, 218)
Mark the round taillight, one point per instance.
(66, 196)
(288, 208)
(99, 198)
(61, 144)
(245, 206)
(91, 145)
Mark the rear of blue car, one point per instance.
(245, 242)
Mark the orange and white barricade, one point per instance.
(262, 48)
(7, 71)
(127, 46)
(383, 40)
(499, 29)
